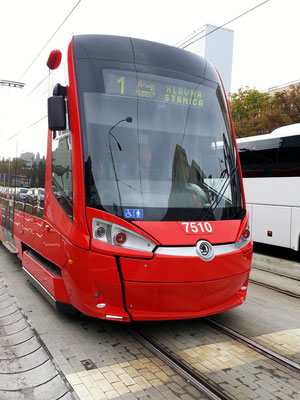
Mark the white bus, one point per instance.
(271, 173)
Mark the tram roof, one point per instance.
(143, 52)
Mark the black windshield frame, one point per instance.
(90, 79)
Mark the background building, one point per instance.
(216, 45)
(286, 86)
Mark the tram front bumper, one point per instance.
(178, 287)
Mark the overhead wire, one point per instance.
(51, 37)
(221, 26)
(36, 57)
(190, 38)
(27, 127)
(38, 85)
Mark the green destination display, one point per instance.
(153, 87)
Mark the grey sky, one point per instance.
(265, 41)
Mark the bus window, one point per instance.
(288, 157)
(259, 158)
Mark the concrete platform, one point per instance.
(26, 369)
(96, 359)
(89, 359)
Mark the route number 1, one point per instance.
(122, 82)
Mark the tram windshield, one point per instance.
(157, 144)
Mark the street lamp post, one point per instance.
(18, 85)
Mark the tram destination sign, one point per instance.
(154, 87)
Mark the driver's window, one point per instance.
(62, 186)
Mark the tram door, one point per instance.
(8, 208)
(8, 193)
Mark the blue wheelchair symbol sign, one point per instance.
(128, 213)
(133, 213)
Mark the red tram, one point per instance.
(130, 206)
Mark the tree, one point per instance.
(41, 172)
(248, 103)
(289, 103)
(255, 113)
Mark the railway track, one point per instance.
(291, 281)
(277, 273)
(254, 345)
(276, 289)
(199, 380)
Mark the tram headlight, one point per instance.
(100, 232)
(244, 243)
(120, 238)
(117, 235)
(246, 233)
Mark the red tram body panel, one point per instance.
(134, 208)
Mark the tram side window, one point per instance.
(288, 157)
(62, 184)
(259, 158)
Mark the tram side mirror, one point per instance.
(56, 113)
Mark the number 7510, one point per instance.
(197, 227)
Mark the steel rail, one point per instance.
(192, 377)
(265, 285)
(256, 346)
(195, 378)
(276, 273)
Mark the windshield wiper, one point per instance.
(220, 194)
(129, 120)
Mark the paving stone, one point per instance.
(295, 382)
(264, 394)
(266, 386)
(134, 369)
(24, 363)
(135, 388)
(243, 396)
(176, 388)
(96, 374)
(117, 369)
(53, 389)
(186, 397)
(192, 391)
(247, 392)
(131, 371)
(81, 390)
(230, 389)
(121, 388)
(170, 395)
(250, 383)
(265, 378)
(16, 338)
(126, 379)
(234, 374)
(128, 396)
(26, 370)
(105, 385)
(89, 382)
(112, 394)
(67, 369)
(147, 374)
(14, 350)
(111, 376)
(282, 396)
(143, 382)
(216, 377)
(155, 394)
